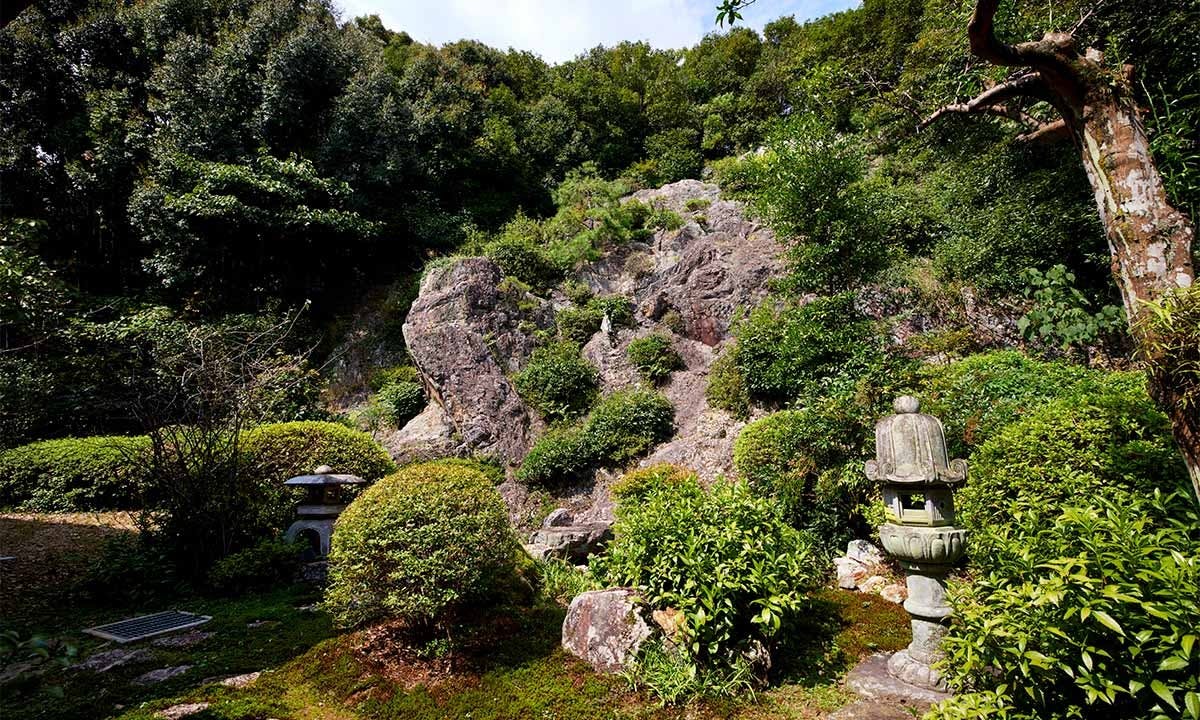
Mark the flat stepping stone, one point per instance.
(178, 712)
(155, 677)
(873, 710)
(102, 662)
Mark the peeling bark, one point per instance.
(1150, 241)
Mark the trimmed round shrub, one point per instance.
(69, 474)
(654, 357)
(519, 253)
(401, 401)
(726, 390)
(725, 558)
(579, 324)
(560, 457)
(281, 450)
(418, 546)
(808, 461)
(641, 482)
(558, 382)
(627, 424)
(1115, 445)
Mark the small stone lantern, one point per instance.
(918, 482)
(323, 501)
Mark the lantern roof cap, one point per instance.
(324, 475)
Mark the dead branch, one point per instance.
(995, 101)
(1049, 132)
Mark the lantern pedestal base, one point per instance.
(873, 680)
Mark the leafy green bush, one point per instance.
(560, 581)
(419, 545)
(559, 457)
(90, 473)
(280, 450)
(1087, 612)
(484, 465)
(1114, 444)
(1062, 315)
(401, 401)
(557, 382)
(643, 481)
(579, 324)
(725, 559)
(978, 396)
(519, 251)
(789, 353)
(383, 377)
(807, 461)
(577, 292)
(654, 357)
(726, 389)
(622, 426)
(271, 562)
(130, 570)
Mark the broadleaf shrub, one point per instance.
(401, 401)
(1089, 612)
(724, 558)
(726, 388)
(579, 324)
(418, 546)
(640, 482)
(623, 426)
(558, 382)
(69, 474)
(654, 357)
(271, 562)
(280, 450)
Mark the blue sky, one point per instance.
(560, 29)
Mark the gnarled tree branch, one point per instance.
(996, 101)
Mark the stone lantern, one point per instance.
(918, 483)
(324, 500)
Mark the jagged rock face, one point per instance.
(466, 336)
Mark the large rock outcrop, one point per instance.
(467, 333)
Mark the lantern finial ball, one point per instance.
(906, 404)
(323, 470)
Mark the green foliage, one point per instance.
(71, 474)
(784, 354)
(560, 581)
(674, 677)
(483, 465)
(1170, 351)
(726, 389)
(814, 192)
(519, 250)
(1110, 442)
(654, 357)
(382, 377)
(1062, 315)
(558, 382)
(129, 570)
(579, 324)
(278, 451)
(641, 482)
(978, 396)
(724, 558)
(1087, 611)
(401, 401)
(623, 426)
(419, 545)
(271, 562)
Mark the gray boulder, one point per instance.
(467, 335)
(573, 543)
(605, 628)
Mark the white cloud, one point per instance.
(561, 29)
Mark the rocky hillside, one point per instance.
(469, 331)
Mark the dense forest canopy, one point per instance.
(183, 161)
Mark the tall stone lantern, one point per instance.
(918, 492)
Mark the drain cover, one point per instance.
(139, 628)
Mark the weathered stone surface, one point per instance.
(894, 593)
(872, 680)
(106, 660)
(558, 517)
(872, 584)
(865, 553)
(466, 336)
(572, 542)
(160, 675)
(850, 572)
(428, 436)
(241, 681)
(873, 710)
(184, 640)
(605, 628)
(178, 712)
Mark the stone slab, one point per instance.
(871, 680)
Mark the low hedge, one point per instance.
(71, 474)
(280, 450)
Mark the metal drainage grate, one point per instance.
(140, 628)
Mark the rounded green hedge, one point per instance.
(69, 474)
(654, 357)
(419, 545)
(401, 401)
(558, 382)
(280, 450)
